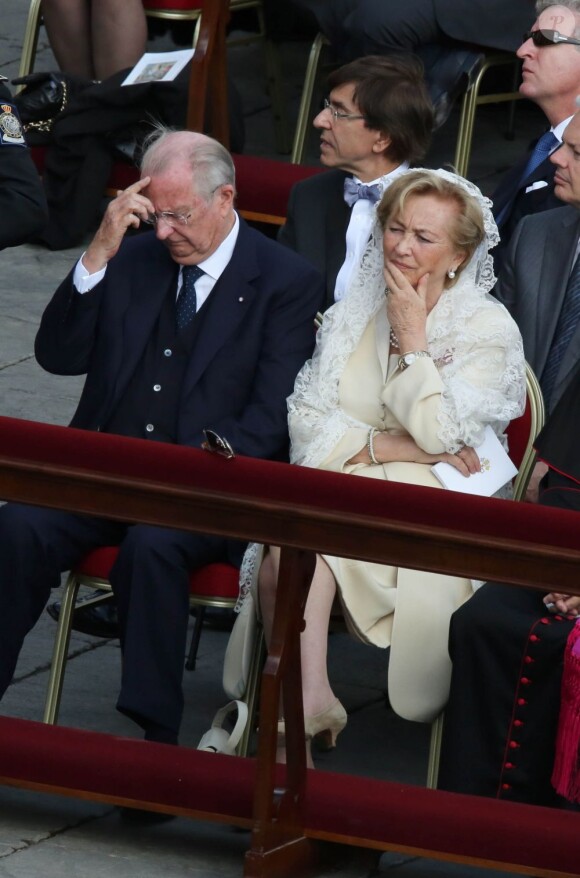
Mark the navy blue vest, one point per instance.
(149, 406)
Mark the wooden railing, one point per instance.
(304, 511)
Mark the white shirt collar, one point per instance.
(386, 179)
(215, 264)
(559, 129)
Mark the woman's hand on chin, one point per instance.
(406, 307)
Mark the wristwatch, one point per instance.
(406, 360)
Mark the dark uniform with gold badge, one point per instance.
(23, 210)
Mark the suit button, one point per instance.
(157, 387)
(167, 352)
(149, 428)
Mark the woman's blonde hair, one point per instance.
(467, 231)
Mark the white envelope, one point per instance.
(496, 470)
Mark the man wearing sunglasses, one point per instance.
(190, 333)
(550, 53)
(375, 121)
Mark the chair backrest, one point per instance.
(522, 433)
(208, 92)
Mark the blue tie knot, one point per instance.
(354, 192)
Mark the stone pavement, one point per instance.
(50, 836)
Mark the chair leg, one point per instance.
(30, 42)
(305, 110)
(466, 123)
(60, 651)
(195, 638)
(435, 751)
(252, 693)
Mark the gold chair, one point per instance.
(214, 585)
(472, 100)
(189, 10)
(521, 434)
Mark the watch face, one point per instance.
(409, 358)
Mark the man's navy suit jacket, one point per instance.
(256, 336)
(511, 193)
(316, 224)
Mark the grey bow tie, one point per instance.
(354, 191)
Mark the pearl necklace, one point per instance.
(394, 340)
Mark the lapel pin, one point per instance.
(241, 299)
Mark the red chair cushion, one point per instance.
(263, 184)
(172, 5)
(213, 580)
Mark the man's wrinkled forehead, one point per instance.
(558, 18)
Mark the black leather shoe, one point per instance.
(99, 620)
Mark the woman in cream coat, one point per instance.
(402, 377)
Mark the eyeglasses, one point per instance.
(336, 114)
(543, 37)
(166, 216)
(217, 444)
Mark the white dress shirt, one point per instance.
(213, 267)
(359, 229)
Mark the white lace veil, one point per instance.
(316, 420)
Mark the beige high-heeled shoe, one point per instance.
(326, 726)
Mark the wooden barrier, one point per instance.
(304, 511)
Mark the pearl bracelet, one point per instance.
(370, 448)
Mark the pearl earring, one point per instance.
(451, 273)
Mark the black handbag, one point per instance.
(44, 97)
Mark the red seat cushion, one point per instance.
(172, 5)
(518, 434)
(213, 580)
(263, 184)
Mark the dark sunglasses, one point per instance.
(217, 444)
(543, 37)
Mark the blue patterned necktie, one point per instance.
(540, 152)
(354, 191)
(567, 323)
(186, 305)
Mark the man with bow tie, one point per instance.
(375, 123)
(551, 78)
(201, 322)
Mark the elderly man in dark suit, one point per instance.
(551, 78)
(200, 323)
(377, 120)
(23, 209)
(540, 279)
